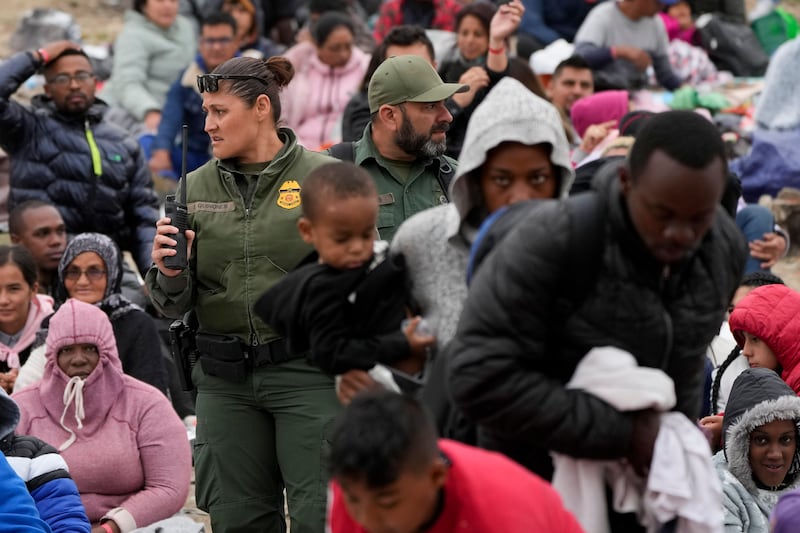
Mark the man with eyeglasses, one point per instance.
(64, 152)
(184, 105)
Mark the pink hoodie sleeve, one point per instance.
(167, 464)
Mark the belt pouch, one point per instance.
(222, 356)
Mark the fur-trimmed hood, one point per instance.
(758, 397)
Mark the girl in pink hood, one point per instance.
(766, 325)
(126, 448)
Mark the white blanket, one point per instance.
(681, 483)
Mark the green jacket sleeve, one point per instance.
(173, 297)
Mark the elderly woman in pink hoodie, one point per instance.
(327, 74)
(126, 448)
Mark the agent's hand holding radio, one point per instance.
(165, 245)
(173, 243)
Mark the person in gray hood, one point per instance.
(514, 149)
(759, 461)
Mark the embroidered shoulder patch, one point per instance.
(211, 207)
(289, 195)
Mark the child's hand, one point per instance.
(352, 382)
(595, 134)
(419, 342)
(7, 379)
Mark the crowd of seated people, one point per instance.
(542, 233)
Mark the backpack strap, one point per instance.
(344, 151)
(584, 251)
(494, 229)
(445, 176)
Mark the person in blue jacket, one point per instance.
(545, 21)
(51, 501)
(18, 514)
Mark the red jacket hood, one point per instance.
(772, 313)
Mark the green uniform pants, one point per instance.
(257, 437)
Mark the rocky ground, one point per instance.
(99, 22)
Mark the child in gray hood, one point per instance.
(759, 460)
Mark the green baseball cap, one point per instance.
(408, 78)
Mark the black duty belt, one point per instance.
(271, 353)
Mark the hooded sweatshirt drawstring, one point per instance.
(72, 392)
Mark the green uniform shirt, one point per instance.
(399, 196)
(241, 247)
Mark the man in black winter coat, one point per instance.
(64, 152)
(669, 262)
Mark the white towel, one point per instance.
(682, 481)
(614, 376)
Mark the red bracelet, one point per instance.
(107, 527)
(45, 59)
(497, 50)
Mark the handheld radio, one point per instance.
(178, 214)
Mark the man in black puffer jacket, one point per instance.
(669, 263)
(63, 152)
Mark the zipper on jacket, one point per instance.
(662, 285)
(248, 204)
(97, 162)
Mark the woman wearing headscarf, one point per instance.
(91, 271)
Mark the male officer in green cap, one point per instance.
(403, 145)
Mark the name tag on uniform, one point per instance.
(211, 207)
(385, 199)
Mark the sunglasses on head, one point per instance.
(209, 83)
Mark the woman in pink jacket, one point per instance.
(126, 448)
(327, 74)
